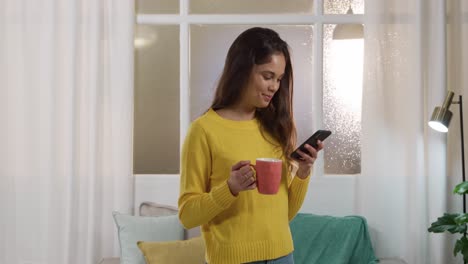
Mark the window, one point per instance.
(180, 47)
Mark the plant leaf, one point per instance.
(458, 247)
(461, 246)
(461, 188)
(447, 223)
(461, 219)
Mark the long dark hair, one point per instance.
(253, 47)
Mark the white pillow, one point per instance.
(132, 229)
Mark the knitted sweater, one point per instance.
(243, 228)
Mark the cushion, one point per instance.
(132, 229)
(156, 209)
(174, 252)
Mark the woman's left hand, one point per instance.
(308, 159)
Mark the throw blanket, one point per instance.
(327, 239)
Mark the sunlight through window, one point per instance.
(343, 70)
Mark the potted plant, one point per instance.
(455, 223)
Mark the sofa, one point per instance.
(317, 238)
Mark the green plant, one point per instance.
(455, 223)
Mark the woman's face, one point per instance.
(264, 81)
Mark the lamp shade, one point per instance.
(440, 119)
(348, 31)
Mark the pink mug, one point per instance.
(268, 173)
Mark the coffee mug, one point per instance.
(268, 174)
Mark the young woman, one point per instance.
(251, 117)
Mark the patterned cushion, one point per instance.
(155, 209)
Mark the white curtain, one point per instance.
(66, 118)
(406, 179)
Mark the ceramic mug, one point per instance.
(268, 174)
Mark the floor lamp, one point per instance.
(440, 121)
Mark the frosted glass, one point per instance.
(156, 134)
(342, 6)
(157, 7)
(342, 97)
(250, 6)
(208, 48)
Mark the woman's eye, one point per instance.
(267, 77)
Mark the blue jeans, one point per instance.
(288, 259)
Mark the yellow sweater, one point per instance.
(246, 228)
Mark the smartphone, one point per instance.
(312, 140)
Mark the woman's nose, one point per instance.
(274, 86)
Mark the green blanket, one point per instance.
(331, 240)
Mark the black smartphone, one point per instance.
(312, 140)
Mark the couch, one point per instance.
(317, 238)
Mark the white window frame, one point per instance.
(317, 19)
(324, 188)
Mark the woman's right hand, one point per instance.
(241, 178)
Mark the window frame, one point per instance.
(184, 20)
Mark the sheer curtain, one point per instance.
(66, 118)
(457, 79)
(406, 177)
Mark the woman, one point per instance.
(251, 117)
